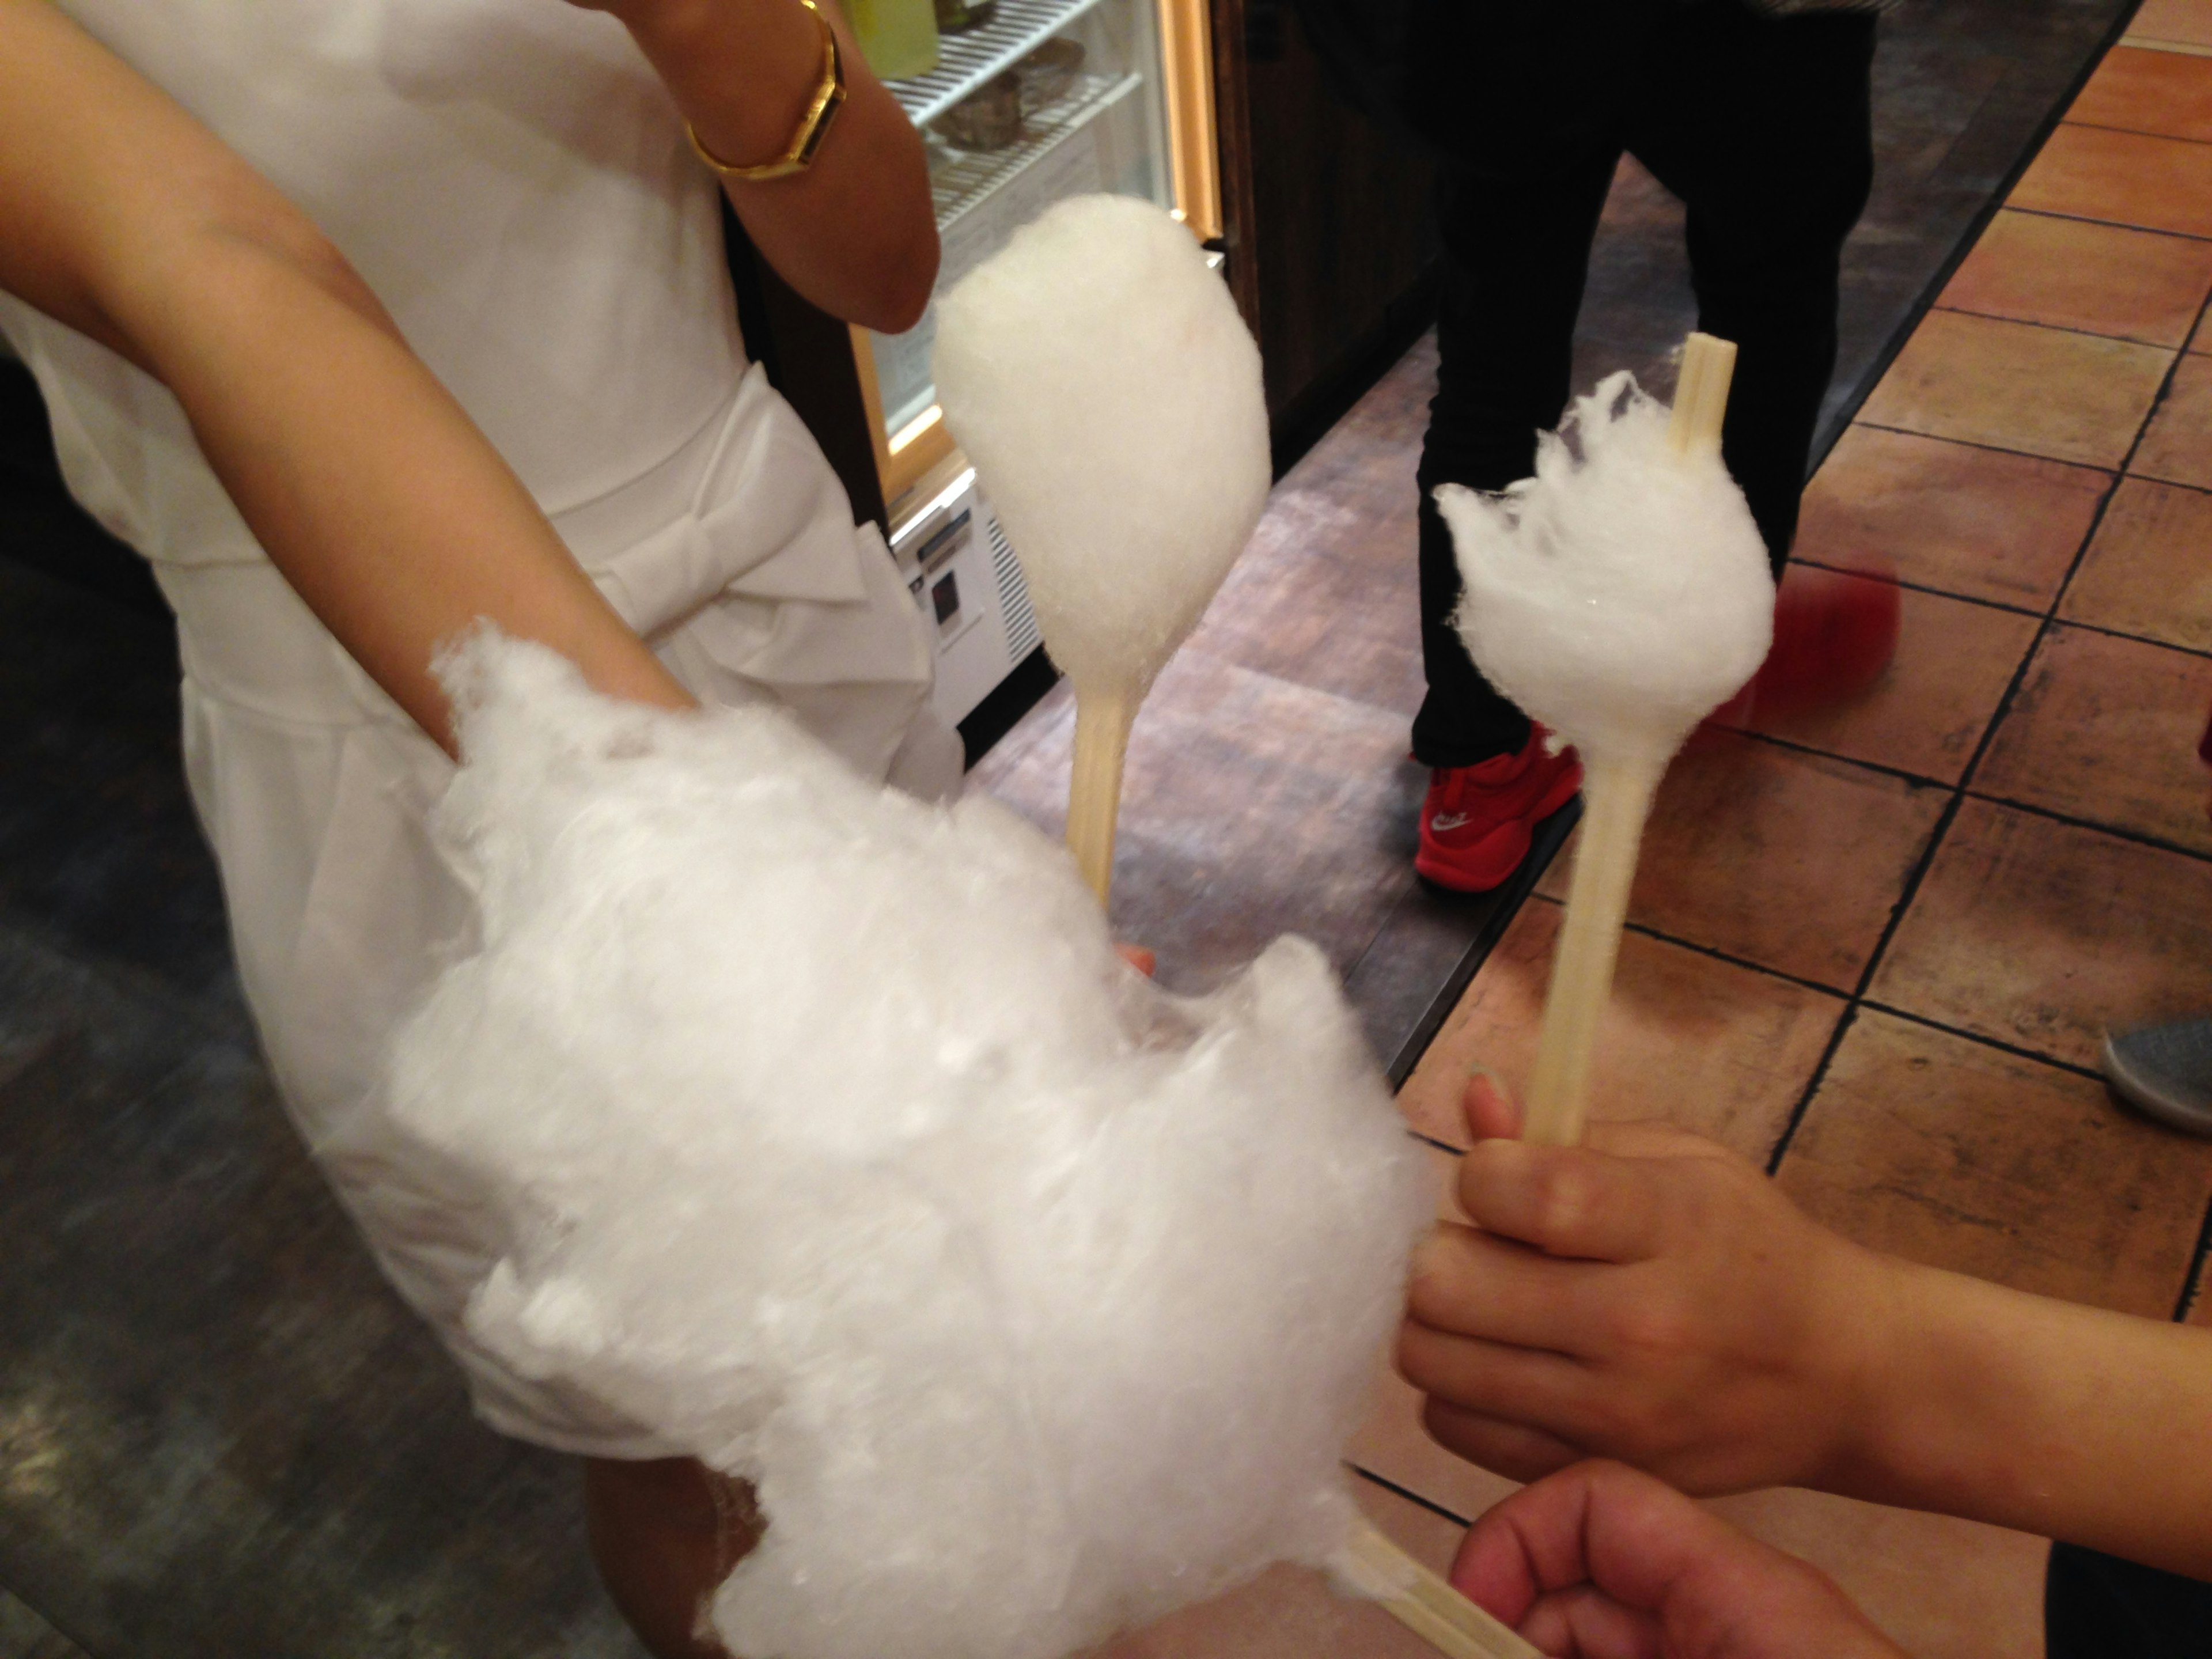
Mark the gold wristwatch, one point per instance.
(813, 126)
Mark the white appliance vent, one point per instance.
(1022, 635)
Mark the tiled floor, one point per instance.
(1878, 947)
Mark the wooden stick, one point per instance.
(1424, 1603)
(1701, 394)
(1094, 789)
(1616, 799)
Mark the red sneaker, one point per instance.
(1477, 820)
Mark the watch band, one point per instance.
(813, 126)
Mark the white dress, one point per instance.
(512, 181)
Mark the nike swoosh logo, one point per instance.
(1444, 823)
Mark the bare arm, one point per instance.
(1653, 1297)
(855, 233)
(365, 483)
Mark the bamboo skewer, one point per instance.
(1617, 793)
(1103, 720)
(1424, 1602)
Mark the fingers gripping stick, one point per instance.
(1617, 793)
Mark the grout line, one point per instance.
(2112, 473)
(1430, 1140)
(2140, 132)
(2136, 837)
(2016, 1050)
(2176, 48)
(2193, 1287)
(1719, 955)
(1407, 1493)
(1917, 588)
(2113, 224)
(1796, 746)
(2081, 627)
(1910, 890)
(1796, 1117)
(2181, 345)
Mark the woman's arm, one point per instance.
(383, 506)
(855, 233)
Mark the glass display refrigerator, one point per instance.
(1042, 100)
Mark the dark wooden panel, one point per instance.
(1341, 233)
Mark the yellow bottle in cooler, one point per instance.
(898, 37)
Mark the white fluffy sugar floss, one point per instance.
(833, 1142)
(1622, 594)
(1098, 375)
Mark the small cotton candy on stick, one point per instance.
(1620, 596)
(1098, 375)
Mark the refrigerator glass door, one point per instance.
(1046, 99)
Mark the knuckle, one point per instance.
(1561, 1196)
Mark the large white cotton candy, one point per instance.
(835, 1143)
(1623, 593)
(1099, 376)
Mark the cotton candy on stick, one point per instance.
(1620, 596)
(1098, 375)
(820, 1134)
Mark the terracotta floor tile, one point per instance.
(2041, 935)
(2146, 573)
(2013, 385)
(1963, 521)
(2166, 93)
(2201, 341)
(2178, 447)
(2100, 279)
(2187, 22)
(1723, 1050)
(1928, 712)
(2121, 178)
(1288, 1612)
(1945, 1151)
(1788, 860)
(2106, 730)
(1941, 1589)
(1392, 1445)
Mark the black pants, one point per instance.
(2099, 1607)
(1762, 127)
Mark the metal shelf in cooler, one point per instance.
(967, 60)
(964, 178)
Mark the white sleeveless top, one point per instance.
(512, 181)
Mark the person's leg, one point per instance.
(1515, 256)
(1763, 127)
(663, 1533)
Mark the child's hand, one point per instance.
(1650, 1297)
(1600, 1562)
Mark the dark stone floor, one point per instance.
(219, 1434)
